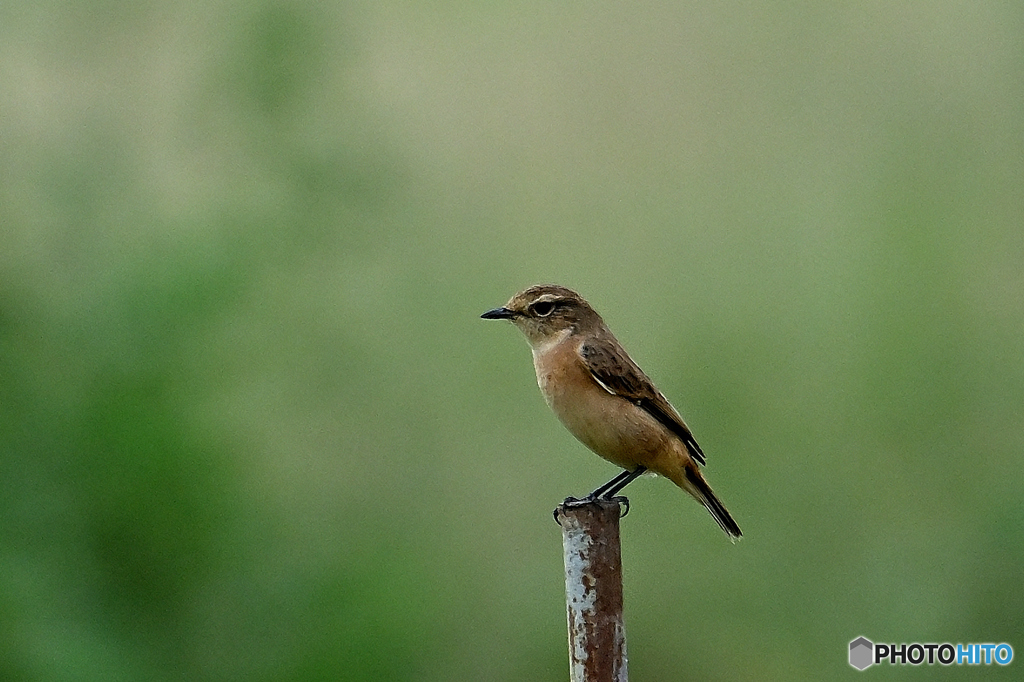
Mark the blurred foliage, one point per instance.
(252, 429)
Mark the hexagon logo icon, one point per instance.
(861, 653)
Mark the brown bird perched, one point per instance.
(604, 398)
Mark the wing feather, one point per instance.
(616, 373)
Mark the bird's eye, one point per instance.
(543, 308)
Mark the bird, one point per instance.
(603, 397)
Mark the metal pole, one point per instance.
(593, 590)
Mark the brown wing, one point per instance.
(619, 375)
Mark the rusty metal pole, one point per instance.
(593, 590)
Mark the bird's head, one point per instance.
(546, 312)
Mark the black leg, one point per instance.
(615, 481)
(608, 490)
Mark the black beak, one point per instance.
(498, 314)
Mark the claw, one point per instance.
(623, 505)
(568, 502)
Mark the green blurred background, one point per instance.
(251, 427)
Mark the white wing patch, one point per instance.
(602, 384)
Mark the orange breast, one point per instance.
(611, 426)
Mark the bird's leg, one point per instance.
(608, 490)
(605, 486)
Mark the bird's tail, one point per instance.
(700, 489)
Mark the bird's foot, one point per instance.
(571, 502)
(623, 503)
